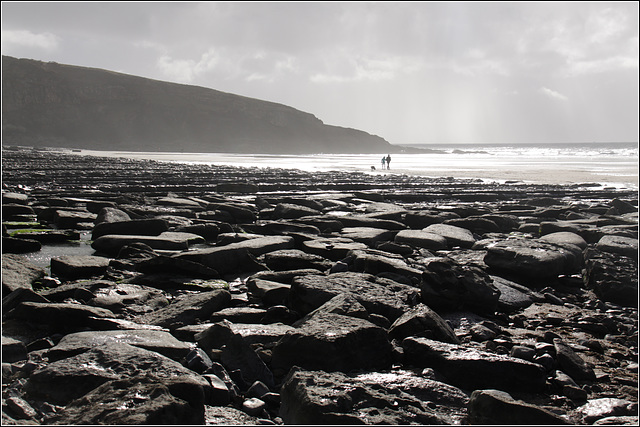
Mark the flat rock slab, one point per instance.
(626, 246)
(563, 237)
(495, 407)
(333, 248)
(171, 241)
(454, 235)
(139, 227)
(79, 266)
(257, 333)
(377, 295)
(367, 235)
(159, 341)
(472, 369)
(386, 398)
(64, 380)
(332, 342)
(18, 272)
(533, 259)
(421, 239)
(187, 309)
(58, 316)
(140, 400)
(228, 258)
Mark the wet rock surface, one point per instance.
(208, 294)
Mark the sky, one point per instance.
(410, 72)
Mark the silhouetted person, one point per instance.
(388, 160)
(384, 159)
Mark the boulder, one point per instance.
(367, 235)
(13, 350)
(454, 235)
(18, 272)
(380, 398)
(73, 267)
(139, 400)
(111, 244)
(333, 248)
(598, 409)
(360, 221)
(449, 285)
(228, 258)
(565, 237)
(495, 407)
(532, 259)
(619, 245)
(139, 227)
(294, 259)
(153, 340)
(238, 315)
(475, 224)
(377, 295)
(378, 262)
(612, 277)
(472, 369)
(19, 245)
(72, 219)
(421, 321)
(291, 211)
(235, 354)
(110, 215)
(67, 379)
(58, 316)
(269, 292)
(333, 342)
(188, 309)
(572, 364)
(421, 239)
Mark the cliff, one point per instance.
(55, 105)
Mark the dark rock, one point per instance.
(237, 187)
(499, 408)
(236, 353)
(139, 400)
(421, 239)
(333, 342)
(533, 259)
(291, 211)
(13, 350)
(79, 266)
(387, 398)
(472, 369)
(422, 219)
(110, 215)
(64, 380)
(344, 304)
(333, 248)
(565, 237)
(188, 309)
(72, 219)
(239, 315)
(619, 245)
(139, 227)
(197, 360)
(449, 285)
(16, 245)
(367, 235)
(269, 292)
(111, 244)
(597, 409)
(513, 296)
(355, 221)
(475, 224)
(612, 277)
(377, 295)
(228, 258)
(18, 272)
(455, 236)
(421, 321)
(377, 263)
(294, 259)
(153, 340)
(571, 363)
(58, 317)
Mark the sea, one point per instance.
(606, 164)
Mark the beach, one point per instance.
(200, 292)
(610, 164)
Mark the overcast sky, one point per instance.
(409, 72)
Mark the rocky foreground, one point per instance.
(217, 295)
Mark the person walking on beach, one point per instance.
(388, 160)
(384, 159)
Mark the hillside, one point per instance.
(55, 105)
